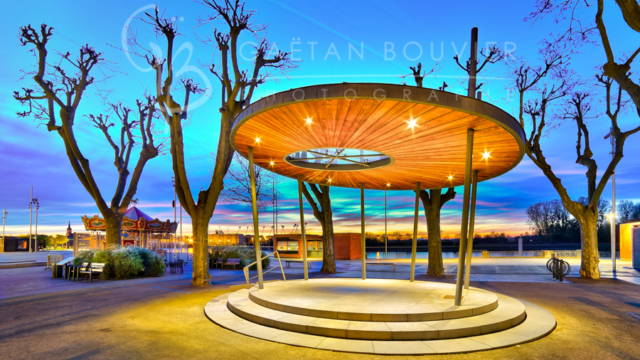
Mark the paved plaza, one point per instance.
(164, 317)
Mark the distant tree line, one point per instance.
(552, 222)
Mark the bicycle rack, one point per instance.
(558, 267)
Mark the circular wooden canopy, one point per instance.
(422, 131)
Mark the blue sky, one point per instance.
(335, 41)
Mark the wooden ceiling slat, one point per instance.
(432, 152)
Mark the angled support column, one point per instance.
(465, 218)
(256, 231)
(303, 231)
(414, 242)
(471, 223)
(363, 245)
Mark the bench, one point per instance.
(215, 262)
(176, 266)
(58, 268)
(93, 268)
(288, 263)
(52, 260)
(382, 263)
(231, 262)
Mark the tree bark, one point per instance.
(201, 275)
(113, 226)
(432, 202)
(328, 250)
(588, 221)
(322, 212)
(436, 265)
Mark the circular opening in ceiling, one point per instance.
(338, 159)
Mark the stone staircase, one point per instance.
(406, 318)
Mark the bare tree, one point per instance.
(530, 80)
(59, 88)
(234, 84)
(322, 212)
(576, 107)
(629, 211)
(492, 54)
(238, 189)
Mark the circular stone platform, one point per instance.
(373, 300)
(509, 322)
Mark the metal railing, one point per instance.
(246, 268)
(558, 267)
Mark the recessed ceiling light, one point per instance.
(450, 177)
(486, 155)
(257, 139)
(309, 121)
(271, 163)
(412, 123)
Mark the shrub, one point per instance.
(152, 262)
(84, 257)
(124, 262)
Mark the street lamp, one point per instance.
(611, 135)
(4, 217)
(32, 201)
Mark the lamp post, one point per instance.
(385, 222)
(30, 217)
(4, 217)
(173, 181)
(613, 198)
(37, 204)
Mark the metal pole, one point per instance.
(613, 217)
(363, 242)
(182, 239)
(30, 217)
(75, 244)
(414, 243)
(173, 251)
(473, 62)
(471, 223)
(465, 218)
(385, 224)
(254, 205)
(37, 207)
(4, 216)
(303, 231)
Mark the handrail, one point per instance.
(246, 268)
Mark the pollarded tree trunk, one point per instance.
(588, 221)
(201, 275)
(328, 250)
(432, 202)
(322, 212)
(113, 224)
(436, 265)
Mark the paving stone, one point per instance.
(355, 346)
(402, 348)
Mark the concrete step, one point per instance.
(372, 300)
(508, 313)
(537, 324)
